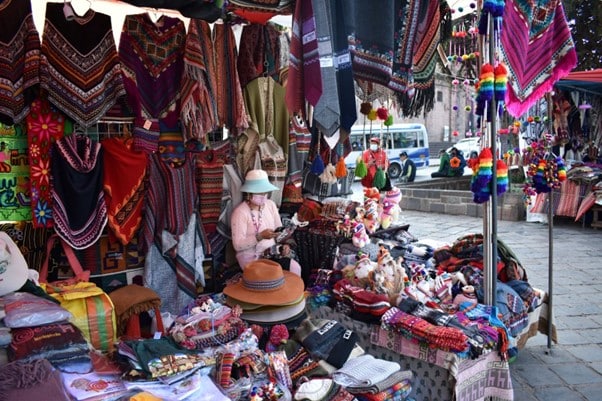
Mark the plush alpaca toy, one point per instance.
(393, 197)
(364, 267)
(371, 217)
(360, 237)
(344, 227)
(386, 214)
(372, 193)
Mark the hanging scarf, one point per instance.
(44, 127)
(229, 99)
(79, 208)
(304, 78)
(124, 186)
(537, 48)
(80, 67)
(199, 111)
(19, 60)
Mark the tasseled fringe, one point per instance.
(379, 179)
(341, 168)
(21, 374)
(422, 101)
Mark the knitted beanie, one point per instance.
(326, 339)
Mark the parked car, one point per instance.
(467, 145)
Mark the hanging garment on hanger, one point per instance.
(209, 11)
(19, 60)
(80, 67)
(124, 186)
(199, 110)
(44, 127)
(152, 59)
(79, 208)
(172, 236)
(383, 41)
(229, 99)
(259, 52)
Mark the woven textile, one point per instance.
(79, 208)
(151, 55)
(229, 98)
(80, 67)
(259, 52)
(198, 111)
(537, 48)
(44, 126)
(14, 174)
(124, 186)
(382, 43)
(304, 79)
(19, 60)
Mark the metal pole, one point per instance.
(490, 211)
(550, 235)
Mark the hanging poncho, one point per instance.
(79, 208)
(44, 127)
(152, 59)
(124, 185)
(19, 60)
(537, 48)
(80, 67)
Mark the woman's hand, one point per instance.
(268, 234)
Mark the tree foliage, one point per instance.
(585, 19)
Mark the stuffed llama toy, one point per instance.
(360, 237)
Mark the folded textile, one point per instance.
(365, 371)
(326, 339)
(322, 390)
(401, 376)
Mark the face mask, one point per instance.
(258, 200)
(374, 148)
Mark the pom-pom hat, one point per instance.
(13, 267)
(264, 282)
(257, 182)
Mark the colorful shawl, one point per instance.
(230, 103)
(304, 78)
(44, 126)
(124, 186)
(19, 60)
(79, 208)
(428, 34)
(382, 41)
(537, 48)
(199, 111)
(80, 67)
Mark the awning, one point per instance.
(583, 81)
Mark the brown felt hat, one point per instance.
(264, 282)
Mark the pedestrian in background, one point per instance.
(408, 168)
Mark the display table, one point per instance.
(439, 375)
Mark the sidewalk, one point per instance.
(572, 369)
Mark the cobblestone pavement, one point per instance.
(572, 369)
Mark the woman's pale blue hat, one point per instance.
(257, 182)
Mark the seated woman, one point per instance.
(254, 223)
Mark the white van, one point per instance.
(396, 138)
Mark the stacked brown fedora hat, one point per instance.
(267, 294)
